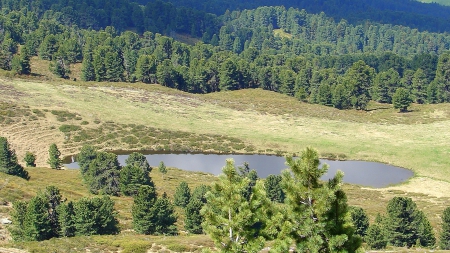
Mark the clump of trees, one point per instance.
(104, 175)
(153, 215)
(8, 161)
(404, 225)
(47, 215)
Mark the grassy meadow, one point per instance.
(40, 110)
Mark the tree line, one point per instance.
(240, 212)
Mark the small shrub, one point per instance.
(84, 123)
(69, 128)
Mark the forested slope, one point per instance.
(431, 17)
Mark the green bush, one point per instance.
(69, 128)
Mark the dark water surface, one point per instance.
(371, 174)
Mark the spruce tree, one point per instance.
(200, 192)
(143, 217)
(445, 234)
(182, 195)
(54, 159)
(401, 99)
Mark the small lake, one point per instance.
(371, 174)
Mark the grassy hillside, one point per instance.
(36, 112)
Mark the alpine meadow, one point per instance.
(91, 80)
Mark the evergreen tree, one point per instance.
(143, 218)
(85, 157)
(87, 69)
(193, 218)
(425, 231)
(419, 86)
(315, 218)
(165, 216)
(95, 216)
(360, 220)
(135, 174)
(200, 192)
(114, 67)
(8, 161)
(103, 175)
(375, 236)
(18, 215)
(445, 234)
(146, 69)
(359, 79)
(274, 192)
(54, 159)
(406, 225)
(21, 63)
(162, 168)
(66, 215)
(30, 159)
(60, 67)
(234, 224)
(182, 195)
(37, 224)
(401, 99)
(53, 197)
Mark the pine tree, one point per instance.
(200, 192)
(85, 157)
(445, 234)
(143, 217)
(66, 219)
(87, 69)
(30, 159)
(8, 161)
(193, 219)
(406, 225)
(17, 228)
(162, 168)
(182, 195)
(401, 99)
(375, 237)
(103, 175)
(165, 216)
(135, 174)
(360, 220)
(95, 216)
(273, 188)
(358, 80)
(54, 198)
(54, 159)
(315, 218)
(235, 224)
(37, 224)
